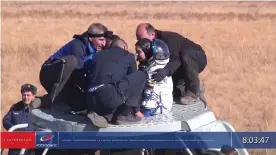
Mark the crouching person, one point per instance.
(18, 113)
(66, 80)
(115, 86)
(153, 56)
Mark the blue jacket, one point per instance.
(18, 114)
(80, 47)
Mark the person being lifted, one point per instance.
(153, 56)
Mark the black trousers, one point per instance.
(72, 84)
(126, 92)
(186, 78)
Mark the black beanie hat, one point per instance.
(146, 46)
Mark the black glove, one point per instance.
(160, 75)
(142, 68)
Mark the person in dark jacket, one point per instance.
(115, 86)
(77, 53)
(187, 60)
(18, 113)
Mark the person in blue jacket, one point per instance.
(18, 113)
(77, 53)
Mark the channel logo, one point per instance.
(17, 140)
(46, 140)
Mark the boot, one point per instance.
(139, 114)
(41, 102)
(36, 103)
(128, 119)
(97, 120)
(128, 116)
(190, 97)
(187, 100)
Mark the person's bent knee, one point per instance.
(71, 61)
(187, 56)
(202, 60)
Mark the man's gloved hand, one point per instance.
(142, 68)
(160, 74)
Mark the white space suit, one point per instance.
(158, 96)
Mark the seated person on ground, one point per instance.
(115, 86)
(18, 113)
(157, 96)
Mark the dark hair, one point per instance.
(146, 46)
(110, 39)
(118, 43)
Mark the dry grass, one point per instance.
(239, 39)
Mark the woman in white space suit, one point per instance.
(152, 56)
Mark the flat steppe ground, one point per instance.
(238, 37)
